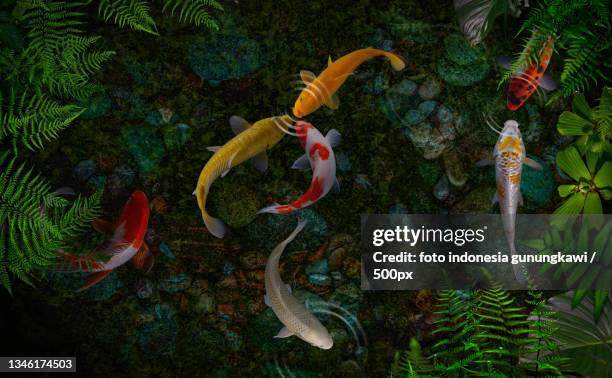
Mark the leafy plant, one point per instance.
(411, 363)
(136, 13)
(593, 126)
(34, 222)
(57, 55)
(586, 344)
(476, 17)
(485, 334)
(540, 356)
(593, 181)
(581, 29)
(581, 236)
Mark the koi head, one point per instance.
(510, 139)
(311, 98)
(301, 129)
(319, 337)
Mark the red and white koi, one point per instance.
(320, 158)
(508, 157)
(126, 243)
(525, 82)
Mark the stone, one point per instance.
(175, 283)
(320, 279)
(320, 266)
(430, 88)
(166, 251)
(145, 146)
(84, 170)
(537, 187)
(175, 136)
(210, 57)
(335, 259)
(441, 190)
(427, 107)
(455, 171)
(204, 304)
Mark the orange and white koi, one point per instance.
(524, 83)
(320, 158)
(508, 157)
(126, 243)
(322, 89)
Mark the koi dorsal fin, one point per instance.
(329, 61)
(143, 259)
(238, 124)
(307, 76)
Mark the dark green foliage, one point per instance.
(486, 334)
(136, 13)
(34, 222)
(33, 118)
(541, 354)
(411, 363)
(38, 83)
(58, 55)
(457, 350)
(582, 35)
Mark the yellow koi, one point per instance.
(322, 89)
(250, 142)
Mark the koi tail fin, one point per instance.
(277, 209)
(520, 270)
(93, 279)
(397, 62)
(214, 225)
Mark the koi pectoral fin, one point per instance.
(103, 227)
(213, 148)
(144, 259)
(94, 279)
(520, 199)
(336, 186)
(333, 138)
(486, 161)
(303, 162)
(283, 333)
(238, 124)
(260, 161)
(495, 199)
(533, 164)
(332, 102)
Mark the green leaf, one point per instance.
(570, 124)
(573, 205)
(581, 107)
(566, 189)
(603, 178)
(585, 342)
(592, 204)
(570, 162)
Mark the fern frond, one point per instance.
(196, 12)
(132, 13)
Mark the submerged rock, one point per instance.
(320, 279)
(175, 283)
(455, 171)
(430, 88)
(145, 146)
(96, 106)
(321, 267)
(235, 204)
(462, 76)
(431, 140)
(224, 57)
(441, 190)
(460, 51)
(84, 170)
(158, 336)
(175, 136)
(398, 100)
(537, 186)
(270, 229)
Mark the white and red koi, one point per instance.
(525, 82)
(508, 158)
(320, 157)
(127, 243)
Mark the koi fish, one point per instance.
(294, 315)
(508, 158)
(320, 157)
(525, 82)
(250, 142)
(322, 89)
(126, 243)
